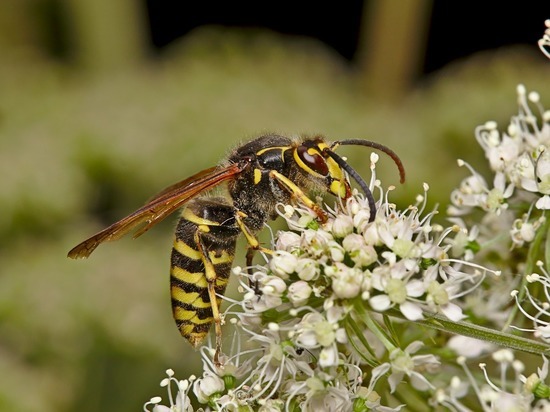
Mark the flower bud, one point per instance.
(273, 285)
(347, 283)
(283, 264)
(337, 253)
(207, 386)
(353, 242)
(287, 241)
(299, 292)
(328, 357)
(307, 269)
(342, 226)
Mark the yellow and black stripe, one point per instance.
(204, 248)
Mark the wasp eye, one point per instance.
(312, 159)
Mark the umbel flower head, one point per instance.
(345, 315)
(313, 330)
(520, 160)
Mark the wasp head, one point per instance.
(313, 158)
(318, 159)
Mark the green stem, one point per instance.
(350, 323)
(439, 322)
(530, 264)
(373, 326)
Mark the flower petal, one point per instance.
(411, 311)
(468, 347)
(543, 203)
(415, 288)
(453, 312)
(380, 303)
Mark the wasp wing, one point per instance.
(170, 189)
(158, 208)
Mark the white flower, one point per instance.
(544, 42)
(273, 285)
(362, 254)
(474, 192)
(336, 252)
(346, 282)
(208, 386)
(273, 289)
(307, 269)
(397, 293)
(182, 402)
(543, 203)
(368, 397)
(342, 226)
(316, 331)
(535, 383)
(315, 243)
(299, 292)
(328, 356)
(287, 241)
(469, 347)
(283, 263)
(402, 363)
(450, 395)
(508, 402)
(321, 398)
(519, 158)
(524, 230)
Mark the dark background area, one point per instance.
(456, 30)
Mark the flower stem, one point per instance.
(374, 326)
(352, 328)
(439, 322)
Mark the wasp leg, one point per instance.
(252, 283)
(253, 246)
(249, 257)
(211, 278)
(296, 192)
(253, 242)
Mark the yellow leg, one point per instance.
(211, 277)
(253, 243)
(253, 246)
(296, 192)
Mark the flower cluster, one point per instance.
(311, 330)
(518, 393)
(520, 159)
(400, 261)
(344, 314)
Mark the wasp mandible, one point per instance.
(268, 170)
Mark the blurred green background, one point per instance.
(92, 123)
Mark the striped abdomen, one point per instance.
(206, 225)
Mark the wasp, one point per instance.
(260, 174)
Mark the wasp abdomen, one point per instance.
(203, 252)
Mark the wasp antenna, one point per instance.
(378, 146)
(357, 177)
